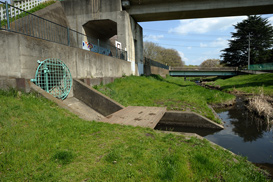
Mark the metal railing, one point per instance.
(20, 21)
(262, 67)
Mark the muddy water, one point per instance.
(244, 134)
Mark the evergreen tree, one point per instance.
(260, 33)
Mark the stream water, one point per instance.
(244, 134)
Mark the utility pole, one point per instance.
(248, 51)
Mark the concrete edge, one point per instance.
(97, 81)
(216, 115)
(41, 92)
(94, 99)
(97, 92)
(188, 119)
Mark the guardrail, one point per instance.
(262, 67)
(204, 69)
(20, 21)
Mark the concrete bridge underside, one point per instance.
(154, 10)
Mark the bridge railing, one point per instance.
(20, 21)
(204, 69)
(262, 67)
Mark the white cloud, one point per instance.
(204, 25)
(271, 20)
(219, 43)
(182, 55)
(189, 48)
(203, 45)
(153, 37)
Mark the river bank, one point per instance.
(243, 134)
(256, 89)
(42, 142)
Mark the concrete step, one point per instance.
(137, 116)
(85, 111)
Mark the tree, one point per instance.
(210, 63)
(162, 55)
(256, 30)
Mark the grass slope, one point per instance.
(41, 142)
(173, 93)
(23, 14)
(253, 84)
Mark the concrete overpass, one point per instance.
(153, 10)
(116, 21)
(197, 72)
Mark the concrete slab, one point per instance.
(137, 116)
(86, 112)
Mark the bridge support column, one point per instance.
(107, 21)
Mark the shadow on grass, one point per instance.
(159, 78)
(250, 84)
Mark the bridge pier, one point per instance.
(105, 20)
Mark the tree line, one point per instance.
(162, 55)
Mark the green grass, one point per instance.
(23, 14)
(41, 142)
(173, 93)
(251, 84)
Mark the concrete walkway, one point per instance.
(137, 116)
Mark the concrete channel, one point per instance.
(89, 104)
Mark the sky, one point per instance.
(195, 39)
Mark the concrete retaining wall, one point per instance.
(21, 84)
(97, 81)
(19, 55)
(94, 99)
(159, 71)
(188, 119)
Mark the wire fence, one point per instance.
(19, 21)
(262, 67)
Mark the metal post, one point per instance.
(7, 14)
(249, 51)
(45, 70)
(0, 23)
(68, 37)
(14, 18)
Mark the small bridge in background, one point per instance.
(196, 72)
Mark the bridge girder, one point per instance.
(154, 10)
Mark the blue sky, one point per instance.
(195, 39)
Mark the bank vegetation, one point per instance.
(257, 89)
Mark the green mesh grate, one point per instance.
(53, 76)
